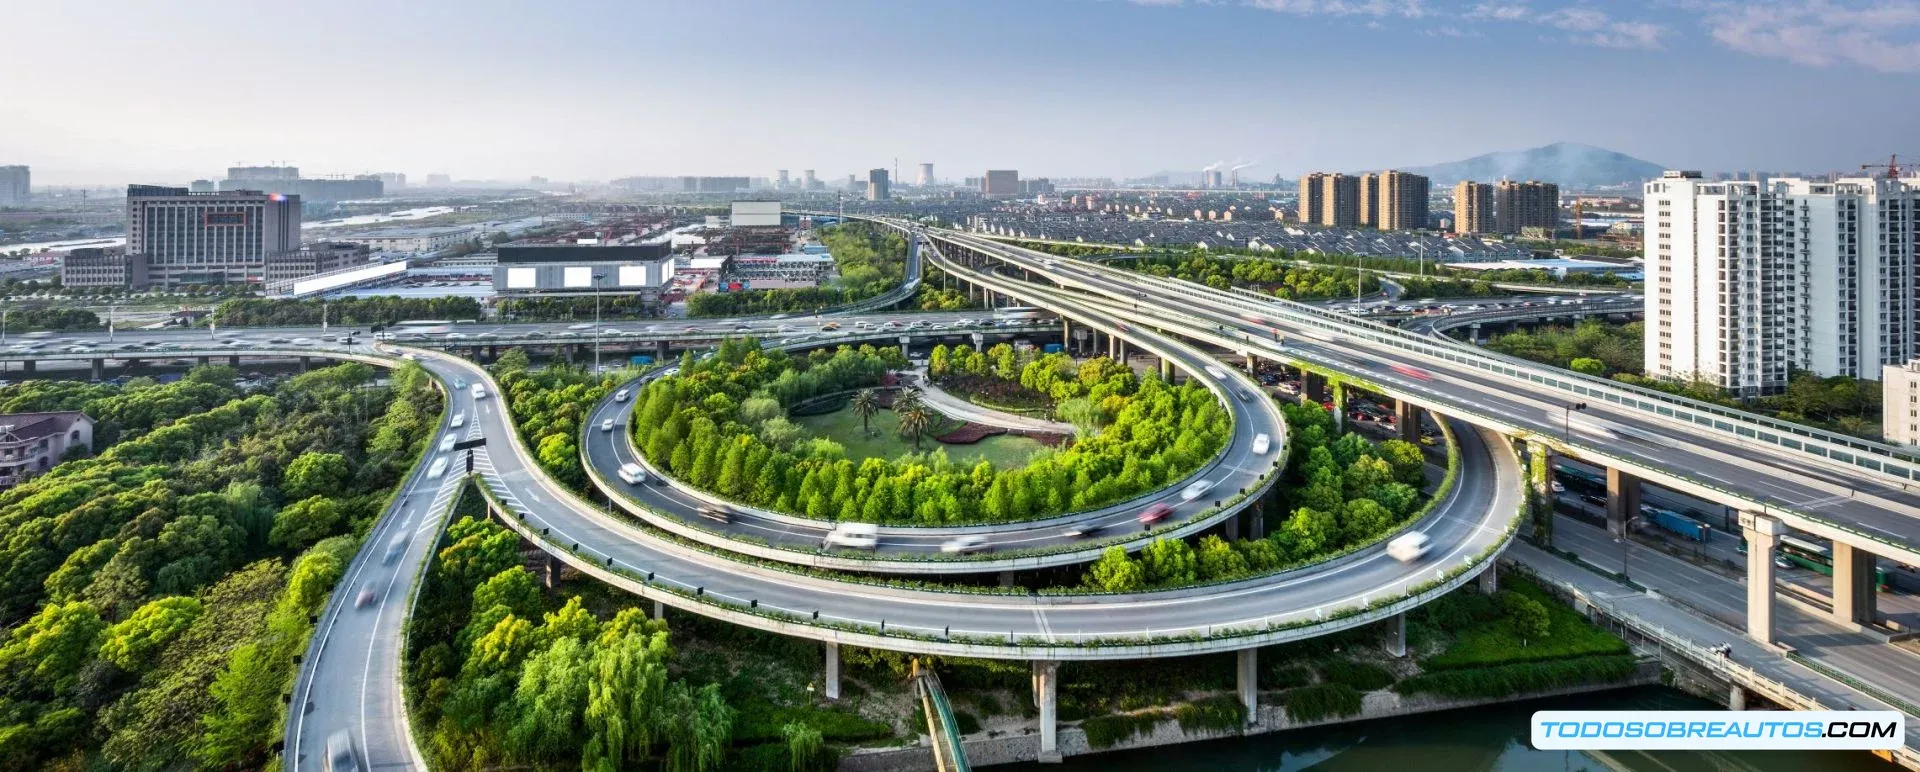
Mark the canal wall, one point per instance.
(985, 751)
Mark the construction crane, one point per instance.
(1892, 167)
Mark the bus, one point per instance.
(1813, 556)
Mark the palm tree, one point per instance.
(865, 405)
(915, 419)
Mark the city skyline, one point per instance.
(1295, 84)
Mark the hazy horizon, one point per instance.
(116, 91)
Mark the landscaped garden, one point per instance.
(879, 436)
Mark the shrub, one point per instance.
(965, 722)
(1361, 676)
(1106, 731)
(1219, 713)
(1322, 701)
(1519, 678)
(1284, 676)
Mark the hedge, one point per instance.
(1322, 701)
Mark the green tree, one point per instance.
(865, 404)
(514, 588)
(49, 649)
(803, 746)
(305, 522)
(1217, 560)
(316, 474)
(549, 701)
(1364, 519)
(1527, 618)
(132, 644)
(915, 420)
(1588, 365)
(1169, 563)
(1115, 571)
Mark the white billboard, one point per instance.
(751, 214)
(633, 276)
(577, 276)
(522, 278)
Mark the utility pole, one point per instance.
(596, 322)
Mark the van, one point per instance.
(1261, 444)
(632, 474)
(859, 536)
(1409, 547)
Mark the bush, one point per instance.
(1222, 713)
(1106, 731)
(1322, 701)
(1494, 641)
(1361, 676)
(965, 722)
(1520, 678)
(1283, 676)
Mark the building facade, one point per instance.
(1340, 201)
(318, 258)
(1522, 205)
(412, 240)
(1747, 282)
(32, 443)
(16, 185)
(1370, 199)
(562, 269)
(1402, 201)
(1000, 182)
(879, 188)
(1900, 403)
(1312, 187)
(187, 238)
(102, 267)
(1472, 207)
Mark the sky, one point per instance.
(117, 91)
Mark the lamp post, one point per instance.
(110, 308)
(1422, 246)
(1566, 418)
(596, 322)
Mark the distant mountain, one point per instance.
(1573, 166)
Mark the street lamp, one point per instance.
(110, 308)
(1566, 418)
(596, 321)
(1422, 246)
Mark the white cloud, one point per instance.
(1882, 35)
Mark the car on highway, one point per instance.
(1409, 547)
(397, 546)
(606, 425)
(580, 326)
(965, 545)
(340, 756)
(830, 327)
(859, 536)
(719, 513)
(459, 383)
(447, 441)
(365, 597)
(302, 341)
(479, 392)
(1155, 513)
(1083, 531)
(622, 395)
(1262, 443)
(1196, 490)
(459, 420)
(631, 474)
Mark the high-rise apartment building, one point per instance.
(16, 185)
(926, 175)
(1311, 203)
(780, 179)
(1522, 205)
(190, 238)
(1900, 403)
(1748, 281)
(808, 181)
(1472, 207)
(877, 187)
(1370, 200)
(1339, 200)
(1000, 182)
(1402, 204)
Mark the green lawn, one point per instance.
(843, 426)
(1494, 642)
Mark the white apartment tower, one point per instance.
(1749, 281)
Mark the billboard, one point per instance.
(752, 214)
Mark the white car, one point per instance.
(1196, 490)
(632, 474)
(606, 425)
(459, 420)
(1261, 444)
(581, 326)
(621, 395)
(859, 536)
(963, 545)
(1409, 547)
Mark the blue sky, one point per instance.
(115, 91)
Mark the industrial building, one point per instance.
(926, 175)
(102, 267)
(755, 214)
(780, 271)
(16, 185)
(1748, 282)
(411, 240)
(1000, 182)
(582, 269)
(317, 258)
(187, 238)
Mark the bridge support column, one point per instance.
(1763, 534)
(1397, 635)
(659, 610)
(1540, 489)
(1313, 385)
(1247, 670)
(1257, 520)
(1005, 578)
(660, 351)
(1473, 334)
(1853, 584)
(1045, 674)
(1120, 348)
(233, 360)
(1406, 417)
(99, 368)
(306, 363)
(1623, 501)
(906, 344)
(1230, 527)
(1736, 698)
(1253, 364)
(1166, 370)
(551, 576)
(1066, 334)
(27, 365)
(1339, 406)
(830, 678)
(204, 361)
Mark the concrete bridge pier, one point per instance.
(1066, 334)
(906, 343)
(1736, 698)
(1490, 577)
(27, 365)
(1853, 585)
(831, 679)
(1339, 406)
(1166, 370)
(1406, 417)
(1253, 363)
(204, 361)
(1045, 697)
(1763, 534)
(1623, 501)
(99, 368)
(1256, 520)
(660, 351)
(551, 573)
(1247, 672)
(306, 363)
(1539, 457)
(1397, 635)
(659, 610)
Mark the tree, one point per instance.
(1409, 465)
(1525, 615)
(1217, 560)
(1308, 533)
(803, 746)
(48, 650)
(514, 588)
(865, 405)
(549, 701)
(305, 522)
(132, 644)
(1116, 572)
(1365, 518)
(316, 474)
(1588, 365)
(1168, 563)
(915, 420)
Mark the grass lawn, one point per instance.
(843, 426)
(1494, 643)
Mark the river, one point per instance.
(1486, 739)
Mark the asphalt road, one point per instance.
(350, 679)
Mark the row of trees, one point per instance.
(163, 588)
(56, 319)
(1090, 394)
(721, 425)
(1282, 278)
(1591, 347)
(567, 309)
(871, 259)
(548, 406)
(261, 312)
(1429, 266)
(1342, 489)
(507, 677)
